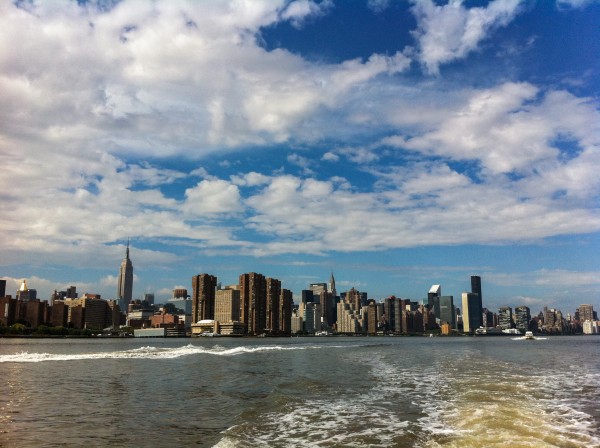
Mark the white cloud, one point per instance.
(378, 5)
(509, 130)
(574, 3)
(251, 179)
(330, 157)
(299, 11)
(212, 196)
(88, 92)
(451, 31)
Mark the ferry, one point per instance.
(529, 335)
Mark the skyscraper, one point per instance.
(253, 298)
(447, 310)
(505, 317)
(203, 297)
(125, 286)
(471, 312)
(272, 304)
(586, 312)
(332, 286)
(476, 285)
(522, 318)
(476, 289)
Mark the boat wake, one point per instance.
(150, 352)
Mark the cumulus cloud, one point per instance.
(330, 156)
(212, 196)
(299, 11)
(451, 31)
(513, 128)
(90, 93)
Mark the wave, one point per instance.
(151, 352)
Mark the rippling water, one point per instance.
(376, 392)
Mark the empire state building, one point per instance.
(125, 287)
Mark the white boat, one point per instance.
(209, 334)
(529, 335)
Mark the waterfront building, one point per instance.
(272, 304)
(162, 319)
(348, 320)
(371, 318)
(203, 297)
(505, 317)
(489, 319)
(522, 318)
(591, 327)
(91, 311)
(253, 298)
(471, 312)
(204, 326)
(59, 314)
(389, 310)
(35, 312)
(311, 315)
(296, 323)
(286, 304)
(476, 289)
(586, 312)
(447, 311)
(125, 282)
(227, 305)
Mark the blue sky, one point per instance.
(398, 144)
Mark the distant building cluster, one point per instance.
(260, 306)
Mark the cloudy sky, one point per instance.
(398, 144)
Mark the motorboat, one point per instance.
(529, 335)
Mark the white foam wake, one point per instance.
(150, 352)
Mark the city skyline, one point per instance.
(397, 144)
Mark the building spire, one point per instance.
(127, 251)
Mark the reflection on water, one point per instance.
(402, 392)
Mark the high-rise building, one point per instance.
(522, 318)
(286, 305)
(447, 310)
(272, 304)
(505, 317)
(23, 292)
(307, 296)
(354, 298)
(318, 288)
(586, 312)
(203, 297)
(476, 289)
(332, 289)
(149, 298)
(253, 298)
(2, 288)
(125, 285)
(372, 317)
(471, 312)
(227, 305)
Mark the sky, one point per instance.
(397, 144)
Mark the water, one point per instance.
(301, 392)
